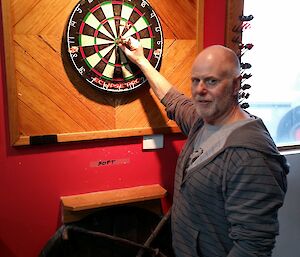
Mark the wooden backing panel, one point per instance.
(179, 16)
(185, 86)
(53, 42)
(39, 16)
(168, 33)
(176, 22)
(56, 25)
(177, 60)
(44, 49)
(42, 110)
(33, 117)
(20, 9)
(149, 114)
(112, 197)
(167, 45)
(70, 110)
(44, 54)
(93, 114)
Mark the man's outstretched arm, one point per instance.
(134, 51)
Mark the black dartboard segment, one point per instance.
(93, 32)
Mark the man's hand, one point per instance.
(133, 50)
(135, 53)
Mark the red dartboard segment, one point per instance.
(93, 30)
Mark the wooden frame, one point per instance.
(41, 98)
(233, 31)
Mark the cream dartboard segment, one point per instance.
(93, 32)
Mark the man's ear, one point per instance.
(236, 85)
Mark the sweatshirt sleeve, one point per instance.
(253, 196)
(180, 109)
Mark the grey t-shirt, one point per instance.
(210, 139)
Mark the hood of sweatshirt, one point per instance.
(254, 135)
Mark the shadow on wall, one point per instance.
(117, 231)
(5, 251)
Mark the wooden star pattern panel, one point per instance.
(46, 105)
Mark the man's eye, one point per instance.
(211, 82)
(195, 81)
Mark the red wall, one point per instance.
(32, 179)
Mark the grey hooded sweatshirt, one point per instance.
(227, 204)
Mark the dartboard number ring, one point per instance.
(93, 32)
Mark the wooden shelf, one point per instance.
(75, 207)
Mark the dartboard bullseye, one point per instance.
(93, 32)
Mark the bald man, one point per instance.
(230, 178)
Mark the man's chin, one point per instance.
(202, 113)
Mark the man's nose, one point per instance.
(200, 88)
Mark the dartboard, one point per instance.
(93, 32)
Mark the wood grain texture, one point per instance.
(14, 129)
(76, 207)
(234, 11)
(179, 17)
(112, 197)
(43, 100)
